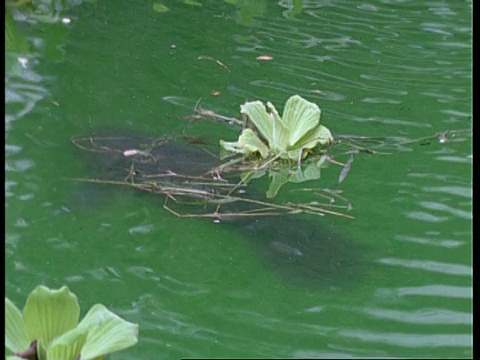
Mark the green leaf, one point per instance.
(300, 116)
(68, 345)
(233, 146)
(311, 172)
(57, 351)
(320, 135)
(278, 180)
(50, 313)
(280, 132)
(249, 140)
(51, 316)
(108, 333)
(258, 115)
(16, 339)
(248, 143)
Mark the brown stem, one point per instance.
(30, 353)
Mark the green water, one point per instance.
(394, 282)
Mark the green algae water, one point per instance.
(394, 282)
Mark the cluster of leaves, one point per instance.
(286, 137)
(282, 139)
(48, 328)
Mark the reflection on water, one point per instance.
(22, 91)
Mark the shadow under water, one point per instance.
(303, 252)
(297, 248)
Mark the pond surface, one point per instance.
(396, 281)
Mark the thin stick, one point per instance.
(202, 57)
(219, 199)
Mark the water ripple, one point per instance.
(422, 316)
(410, 340)
(462, 292)
(455, 159)
(272, 323)
(431, 205)
(19, 165)
(426, 217)
(428, 265)
(22, 92)
(461, 191)
(141, 229)
(445, 243)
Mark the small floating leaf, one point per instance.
(159, 7)
(192, 2)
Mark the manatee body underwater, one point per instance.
(298, 248)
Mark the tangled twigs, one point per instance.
(201, 113)
(209, 197)
(212, 193)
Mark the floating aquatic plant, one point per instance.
(286, 137)
(290, 137)
(48, 328)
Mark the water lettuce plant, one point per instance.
(48, 328)
(280, 139)
(286, 137)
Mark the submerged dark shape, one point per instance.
(299, 248)
(304, 252)
(114, 152)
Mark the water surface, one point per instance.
(197, 289)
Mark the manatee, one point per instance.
(298, 248)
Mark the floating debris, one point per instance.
(202, 57)
(264, 58)
(345, 170)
